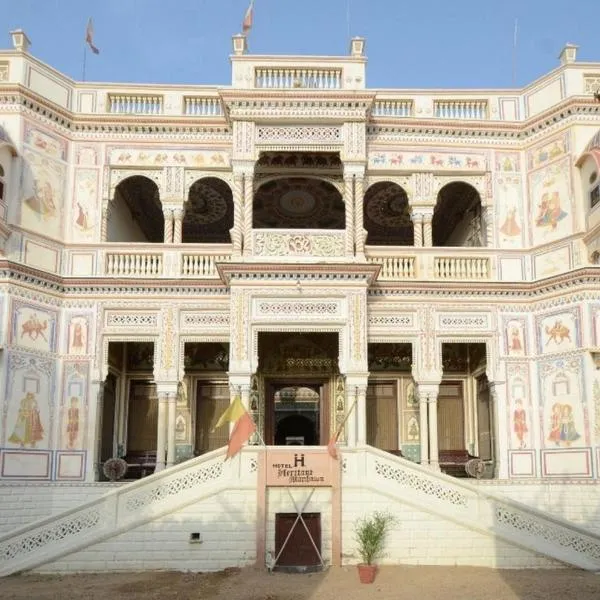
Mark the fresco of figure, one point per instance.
(28, 428)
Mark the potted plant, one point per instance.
(370, 533)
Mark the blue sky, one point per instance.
(412, 44)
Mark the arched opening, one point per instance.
(457, 219)
(208, 212)
(298, 203)
(135, 213)
(387, 215)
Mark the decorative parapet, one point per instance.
(293, 244)
(138, 104)
(320, 79)
(393, 108)
(202, 106)
(461, 109)
(592, 83)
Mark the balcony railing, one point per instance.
(199, 106)
(461, 109)
(321, 79)
(462, 267)
(392, 108)
(135, 104)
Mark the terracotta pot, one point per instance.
(366, 573)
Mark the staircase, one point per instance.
(365, 469)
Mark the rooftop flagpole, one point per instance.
(514, 55)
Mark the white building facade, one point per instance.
(418, 270)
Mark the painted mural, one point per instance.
(563, 410)
(43, 180)
(519, 405)
(515, 337)
(86, 155)
(78, 328)
(553, 262)
(558, 332)
(550, 194)
(33, 327)
(508, 162)
(28, 410)
(73, 410)
(548, 152)
(153, 157)
(509, 204)
(452, 161)
(84, 206)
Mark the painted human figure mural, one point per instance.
(515, 342)
(77, 336)
(520, 423)
(563, 431)
(510, 227)
(72, 429)
(28, 429)
(549, 211)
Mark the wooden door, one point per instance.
(451, 419)
(212, 399)
(382, 415)
(299, 550)
(142, 417)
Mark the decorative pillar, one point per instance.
(488, 224)
(424, 429)
(434, 458)
(351, 423)
(360, 234)
(349, 204)
(417, 219)
(96, 410)
(104, 222)
(178, 214)
(428, 229)
(238, 213)
(172, 416)
(361, 415)
(248, 205)
(161, 434)
(168, 229)
(500, 466)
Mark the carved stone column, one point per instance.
(93, 459)
(168, 230)
(161, 433)
(248, 206)
(351, 422)
(424, 429)
(178, 215)
(417, 219)
(500, 465)
(360, 234)
(427, 228)
(349, 204)
(104, 222)
(434, 454)
(172, 416)
(236, 232)
(361, 415)
(487, 215)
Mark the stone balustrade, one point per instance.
(392, 108)
(453, 268)
(461, 109)
(202, 106)
(138, 104)
(133, 264)
(321, 79)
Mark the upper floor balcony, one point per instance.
(257, 74)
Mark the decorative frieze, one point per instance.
(298, 244)
(453, 321)
(399, 321)
(299, 135)
(284, 309)
(135, 319)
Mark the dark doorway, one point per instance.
(299, 550)
(296, 430)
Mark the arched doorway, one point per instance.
(457, 219)
(387, 215)
(208, 212)
(135, 213)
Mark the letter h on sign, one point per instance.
(298, 460)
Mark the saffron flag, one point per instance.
(232, 413)
(241, 433)
(248, 19)
(331, 446)
(89, 36)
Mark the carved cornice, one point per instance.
(331, 272)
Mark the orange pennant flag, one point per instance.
(242, 430)
(331, 446)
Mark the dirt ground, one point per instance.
(397, 583)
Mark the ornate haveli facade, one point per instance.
(416, 270)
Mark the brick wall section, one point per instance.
(226, 523)
(23, 503)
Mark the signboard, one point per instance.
(300, 468)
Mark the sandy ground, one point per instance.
(397, 583)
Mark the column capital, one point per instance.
(243, 168)
(424, 213)
(167, 387)
(353, 170)
(178, 213)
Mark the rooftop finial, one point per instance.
(357, 46)
(20, 40)
(240, 44)
(568, 54)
